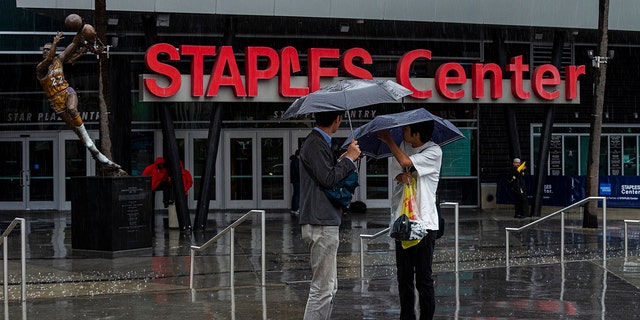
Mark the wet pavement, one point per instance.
(63, 283)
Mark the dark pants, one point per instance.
(521, 203)
(415, 263)
(295, 198)
(167, 193)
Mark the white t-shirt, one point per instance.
(427, 160)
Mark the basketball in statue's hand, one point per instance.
(73, 22)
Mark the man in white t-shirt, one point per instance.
(418, 152)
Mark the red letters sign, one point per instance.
(449, 82)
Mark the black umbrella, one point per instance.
(444, 132)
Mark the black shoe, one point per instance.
(519, 216)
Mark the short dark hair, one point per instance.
(424, 128)
(325, 119)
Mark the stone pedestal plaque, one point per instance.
(112, 215)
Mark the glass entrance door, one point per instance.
(274, 170)
(77, 162)
(255, 165)
(198, 145)
(239, 186)
(28, 167)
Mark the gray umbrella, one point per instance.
(346, 95)
(444, 132)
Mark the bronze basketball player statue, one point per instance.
(63, 99)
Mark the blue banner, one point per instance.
(620, 191)
(561, 191)
(557, 190)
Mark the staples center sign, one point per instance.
(275, 81)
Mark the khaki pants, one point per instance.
(323, 245)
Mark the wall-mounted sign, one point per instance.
(555, 156)
(615, 155)
(276, 81)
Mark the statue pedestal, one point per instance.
(111, 216)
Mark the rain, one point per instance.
(312, 44)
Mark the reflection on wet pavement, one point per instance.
(64, 284)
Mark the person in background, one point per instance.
(519, 188)
(294, 175)
(160, 180)
(418, 158)
(187, 179)
(319, 219)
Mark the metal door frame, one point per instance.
(26, 203)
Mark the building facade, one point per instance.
(370, 37)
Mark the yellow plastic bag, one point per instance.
(410, 209)
(406, 205)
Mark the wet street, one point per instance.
(65, 284)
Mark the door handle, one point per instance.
(22, 172)
(27, 178)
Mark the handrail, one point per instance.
(561, 212)
(23, 265)
(231, 229)
(456, 219)
(626, 229)
(381, 232)
(368, 236)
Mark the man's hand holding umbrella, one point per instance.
(353, 151)
(386, 137)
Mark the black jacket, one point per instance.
(319, 170)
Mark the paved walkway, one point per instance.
(63, 284)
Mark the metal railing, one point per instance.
(231, 229)
(562, 215)
(23, 264)
(626, 231)
(368, 237)
(381, 232)
(456, 219)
